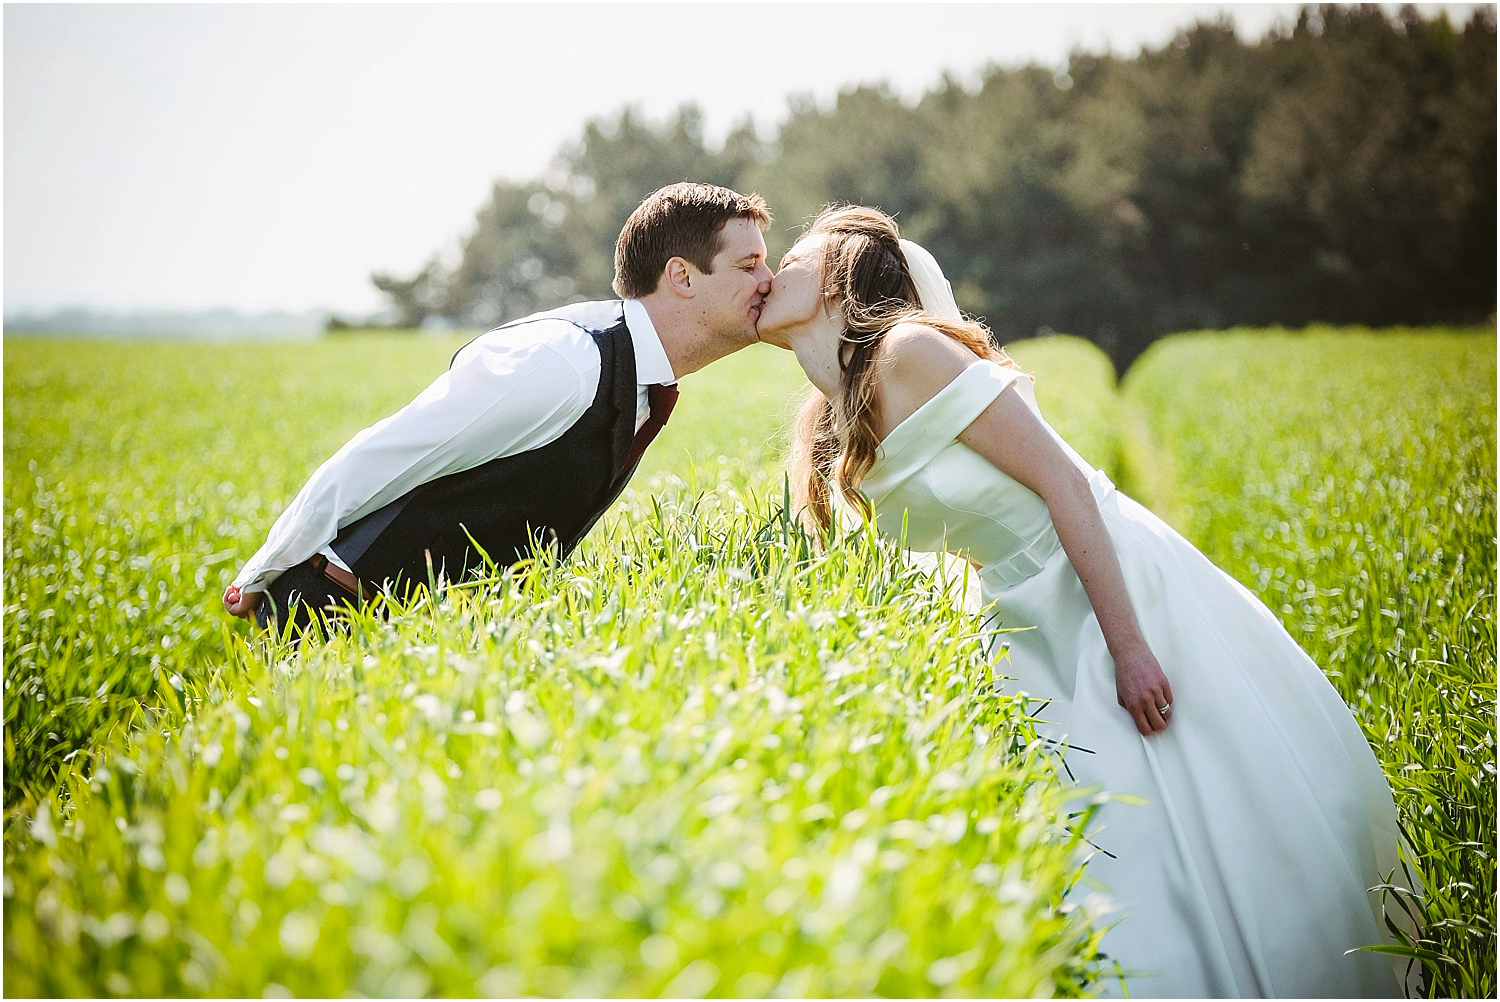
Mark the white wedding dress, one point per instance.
(1266, 816)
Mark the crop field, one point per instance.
(701, 757)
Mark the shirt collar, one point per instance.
(651, 364)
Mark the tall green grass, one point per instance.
(696, 759)
(137, 477)
(140, 476)
(1348, 478)
(699, 759)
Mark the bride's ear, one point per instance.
(678, 277)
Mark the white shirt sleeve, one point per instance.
(508, 392)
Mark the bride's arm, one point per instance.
(1009, 435)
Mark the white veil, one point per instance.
(932, 287)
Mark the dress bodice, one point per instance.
(945, 496)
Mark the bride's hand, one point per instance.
(1144, 691)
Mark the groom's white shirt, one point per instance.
(507, 392)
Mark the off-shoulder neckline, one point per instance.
(886, 450)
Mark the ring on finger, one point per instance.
(1164, 709)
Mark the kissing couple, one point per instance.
(1265, 817)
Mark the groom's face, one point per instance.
(729, 297)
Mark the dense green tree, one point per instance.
(1340, 170)
(1378, 154)
(868, 148)
(540, 244)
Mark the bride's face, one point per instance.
(796, 297)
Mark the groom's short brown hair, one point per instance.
(681, 220)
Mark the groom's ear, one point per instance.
(678, 276)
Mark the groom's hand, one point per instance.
(241, 604)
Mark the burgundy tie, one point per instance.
(662, 400)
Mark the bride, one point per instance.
(1265, 817)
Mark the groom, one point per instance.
(533, 430)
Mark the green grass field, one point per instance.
(699, 758)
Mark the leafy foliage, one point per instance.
(1342, 171)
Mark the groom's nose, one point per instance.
(765, 279)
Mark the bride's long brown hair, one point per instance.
(865, 272)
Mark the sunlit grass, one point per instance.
(695, 760)
(137, 477)
(699, 757)
(1076, 393)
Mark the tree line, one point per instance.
(1341, 170)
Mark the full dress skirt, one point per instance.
(1240, 860)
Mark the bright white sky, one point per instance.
(272, 156)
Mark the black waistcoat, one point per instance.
(553, 494)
